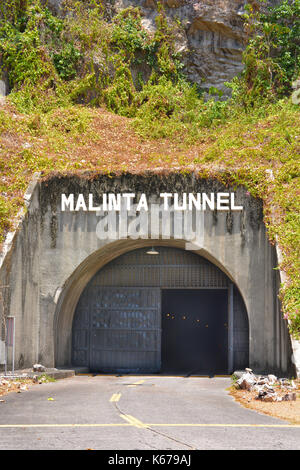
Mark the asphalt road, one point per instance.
(140, 413)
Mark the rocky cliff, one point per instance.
(209, 33)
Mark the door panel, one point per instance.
(125, 330)
(195, 331)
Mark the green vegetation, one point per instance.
(272, 57)
(64, 71)
(45, 378)
(234, 379)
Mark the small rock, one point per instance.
(262, 381)
(38, 368)
(284, 381)
(269, 389)
(269, 398)
(263, 388)
(27, 145)
(290, 397)
(267, 395)
(272, 378)
(247, 381)
(261, 394)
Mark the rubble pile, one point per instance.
(13, 385)
(268, 387)
(20, 382)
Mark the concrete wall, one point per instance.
(55, 254)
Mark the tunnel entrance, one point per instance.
(174, 312)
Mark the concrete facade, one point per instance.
(54, 255)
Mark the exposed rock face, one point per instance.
(209, 33)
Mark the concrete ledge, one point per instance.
(56, 374)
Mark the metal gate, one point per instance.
(117, 322)
(120, 331)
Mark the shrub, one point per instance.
(272, 56)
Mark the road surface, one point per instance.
(140, 413)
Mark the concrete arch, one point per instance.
(76, 283)
(55, 253)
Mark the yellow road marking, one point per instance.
(81, 425)
(139, 382)
(131, 421)
(115, 397)
(214, 425)
(134, 421)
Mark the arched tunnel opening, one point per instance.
(160, 310)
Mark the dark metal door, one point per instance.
(195, 331)
(124, 330)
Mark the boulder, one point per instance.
(238, 373)
(247, 381)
